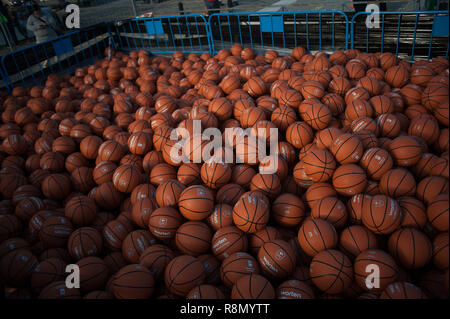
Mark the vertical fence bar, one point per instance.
(250, 31)
(414, 38)
(229, 29)
(189, 33)
(307, 32)
(320, 31)
(382, 32)
(295, 30)
(398, 33)
(332, 31)
(240, 31)
(284, 38)
(431, 40)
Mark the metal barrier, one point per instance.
(421, 34)
(314, 30)
(409, 34)
(31, 65)
(163, 35)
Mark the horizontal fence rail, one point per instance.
(410, 35)
(314, 30)
(31, 65)
(163, 35)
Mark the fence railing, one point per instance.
(315, 30)
(413, 34)
(162, 35)
(421, 34)
(30, 65)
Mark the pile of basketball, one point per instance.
(361, 186)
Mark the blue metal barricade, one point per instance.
(164, 35)
(32, 64)
(314, 30)
(408, 34)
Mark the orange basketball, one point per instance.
(288, 210)
(355, 239)
(164, 222)
(168, 193)
(376, 161)
(268, 184)
(430, 187)
(252, 286)
(332, 210)
(299, 134)
(196, 202)
(437, 212)
(237, 266)
(349, 179)
(227, 241)
(405, 150)
(277, 259)
(215, 173)
(317, 191)
(397, 182)
(331, 271)
(358, 108)
(250, 213)
(339, 85)
(319, 165)
(426, 127)
(316, 235)
(388, 269)
(381, 214)
(312, 89)
(182, 274)
(347, 148)
(397, 76)
(410, 247)
(193, 238)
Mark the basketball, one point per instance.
(437, 212)
(182, 274)
(196, 202)
(193, 238)
(168, 193)
(349, 180)
(332, 210)
(411, 256)
(135, 243)
(133, 281)
(277, 259)
(397, 182)
(347, 148)
(250, 213)
(319, 165)
(163, 222)
(252, 286)
(215, 174)
(155, 258)
(316, 235)
(288, 210)
(237, 266)
(85, 242)
(381, 214)
(331, 271)
(387, 266)
(376, 161)
(355, 239)
(227, 241)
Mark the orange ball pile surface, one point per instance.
(88, 177)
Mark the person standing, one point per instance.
(43, 26)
